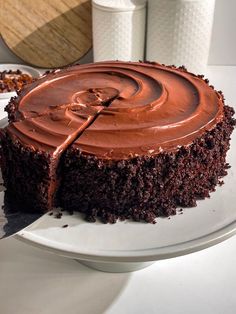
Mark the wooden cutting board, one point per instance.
(47, 33)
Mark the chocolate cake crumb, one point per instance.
(58, 215)
(64, 226)
(90, 218)
(50, 214)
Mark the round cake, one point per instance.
(115, 140)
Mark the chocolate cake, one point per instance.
(115, 140)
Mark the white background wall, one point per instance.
(223, 44)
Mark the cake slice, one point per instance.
(31, 151)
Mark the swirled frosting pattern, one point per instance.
(117, 110)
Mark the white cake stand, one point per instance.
(129, 246)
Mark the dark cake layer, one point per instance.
(26, 175)
(144, 188)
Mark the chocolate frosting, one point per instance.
(116, 110)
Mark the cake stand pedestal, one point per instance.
(113, 267)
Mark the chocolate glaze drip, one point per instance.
(116, 110)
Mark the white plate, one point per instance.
(24, 68)
(127, 246)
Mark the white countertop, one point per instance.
(35, 282)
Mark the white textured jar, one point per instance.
(119, 29)
(179, 32)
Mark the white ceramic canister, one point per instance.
(179, 32)
(119, 29)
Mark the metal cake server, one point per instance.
(11, 223)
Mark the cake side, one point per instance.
(146, 187)
(26, 175)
